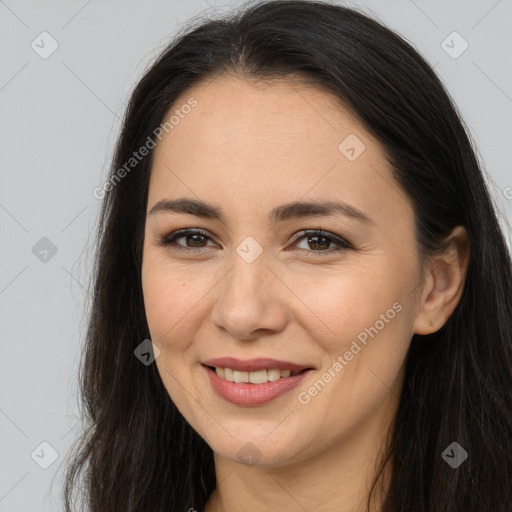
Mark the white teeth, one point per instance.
(274, 374)
(258, 377)
(240, 376)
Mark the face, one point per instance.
(329, 293)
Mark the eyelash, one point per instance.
(170, 240)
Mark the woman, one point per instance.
(302, 294)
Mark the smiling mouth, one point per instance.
(254, 377)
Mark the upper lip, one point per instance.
(253, 365)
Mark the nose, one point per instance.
(251, 300)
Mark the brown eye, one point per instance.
(321, 241)
(194, 240)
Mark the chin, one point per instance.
(253, 450)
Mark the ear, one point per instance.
(446, 275)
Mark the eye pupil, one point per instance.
(195, 235)
(325, 245)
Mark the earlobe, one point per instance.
(448, 272)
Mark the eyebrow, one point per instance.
(296, 209)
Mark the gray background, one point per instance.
(60, 118)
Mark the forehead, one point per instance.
(267, 142)
(277, 116)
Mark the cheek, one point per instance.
(363, 326)
(344, 303)
(169, 300)
(366, 345)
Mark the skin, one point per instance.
(248, 147)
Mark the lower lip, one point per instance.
(253, 394)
